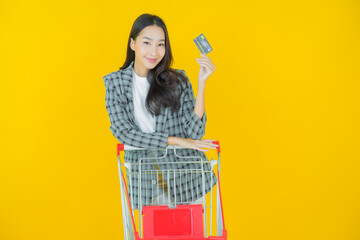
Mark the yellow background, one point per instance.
(283, 101)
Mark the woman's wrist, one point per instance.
(201, 85)
(173, 141)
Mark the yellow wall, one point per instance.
(283, 101)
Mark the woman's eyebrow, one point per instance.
(152, 39)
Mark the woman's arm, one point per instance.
(206, 69)
(200, 100)
(193, 112)
(193, 120)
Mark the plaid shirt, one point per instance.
(183, 123)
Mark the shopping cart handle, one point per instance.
(218, 148)
(123, 147)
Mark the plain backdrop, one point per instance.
(283, 102)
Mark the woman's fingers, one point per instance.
(199, 144)
(200, 149)
(203, 150)
(209, 141)
(207, 65)
(207, 62)
(207, 144)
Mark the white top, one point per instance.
(140, 90)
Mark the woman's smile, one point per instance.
(152, 60)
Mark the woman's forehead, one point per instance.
(153, 33)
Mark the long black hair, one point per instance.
(166, 84)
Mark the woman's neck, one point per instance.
(140, 71)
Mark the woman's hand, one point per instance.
(206, 68)
(193, 144)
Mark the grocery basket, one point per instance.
(162, 203)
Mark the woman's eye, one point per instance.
(161, 44)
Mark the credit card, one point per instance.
(203, 44)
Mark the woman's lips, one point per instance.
(152, 60)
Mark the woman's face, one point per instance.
(149, 48)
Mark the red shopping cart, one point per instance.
(160, 199)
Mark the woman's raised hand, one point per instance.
(206, 67)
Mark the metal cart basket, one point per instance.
(165, 200)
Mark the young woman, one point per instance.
(151, 105)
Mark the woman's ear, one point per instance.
(132, 44)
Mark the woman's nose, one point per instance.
(153, 51)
